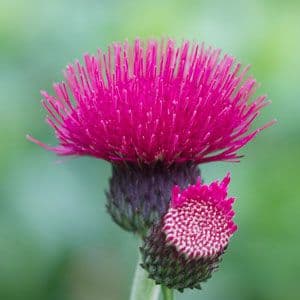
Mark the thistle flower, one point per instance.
(150, 109)
(184, 248)
(157, 102)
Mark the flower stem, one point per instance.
(168, 294)
(143, 288)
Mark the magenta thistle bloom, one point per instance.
(154, 102)
(199, 220)
(185, 247)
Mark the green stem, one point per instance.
(168, 294)
(143, 288)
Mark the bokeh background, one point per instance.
(56, 240)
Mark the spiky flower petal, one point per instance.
(154, 102)
(185, 247)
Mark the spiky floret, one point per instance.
(154, 101)
(184, 248)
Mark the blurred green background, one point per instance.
(56, 240)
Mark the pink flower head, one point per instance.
(154, 101)
(199, 221)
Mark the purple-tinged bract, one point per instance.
(154, 101)
(138, 197)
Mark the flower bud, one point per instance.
(185, 247)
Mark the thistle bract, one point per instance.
(139, 195)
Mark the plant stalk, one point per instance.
(168, 294)
(143, 288)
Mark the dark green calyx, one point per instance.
(168, 267)
(140, 194)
